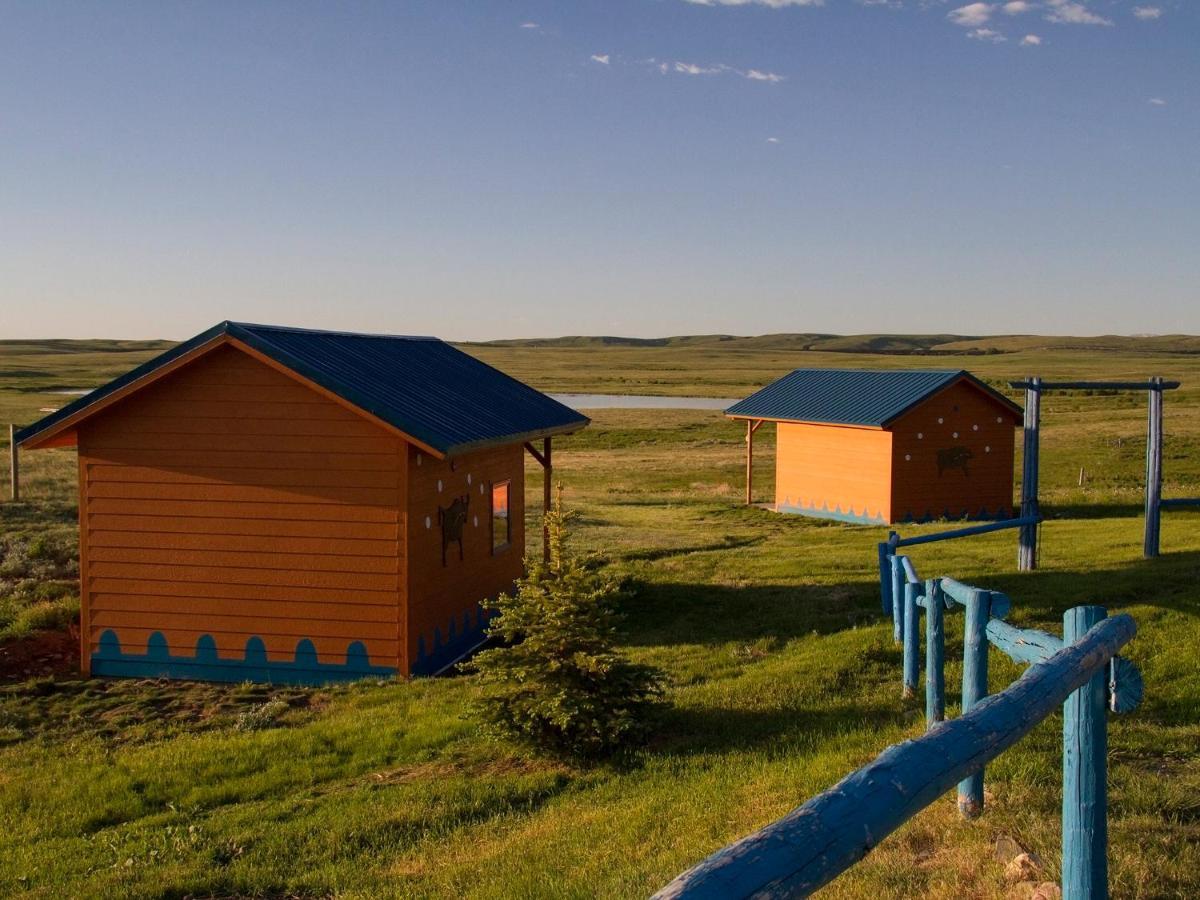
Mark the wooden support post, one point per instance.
(1085, 789)
(1154, 456)
(749, 463)
(14, 466)
(935, 654)
(885, 577)
(898, 580)
(975, 685)
(1027, 540)
(547, 489)
(912, 641)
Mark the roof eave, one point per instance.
(518, 438)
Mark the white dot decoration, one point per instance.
(908, 457)
(999, 419)
(954, 434)
(468, 478)
(974, 427)
(418, 459)
(941, 421)
(476, 521)
(428, 523)
(481, 487)
(439, 485)
(987, 449)
(920, 436)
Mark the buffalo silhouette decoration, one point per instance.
(452, 518)
(954, 458)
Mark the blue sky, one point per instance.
(642, 167)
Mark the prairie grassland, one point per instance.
(782, 678)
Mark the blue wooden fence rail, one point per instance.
(813, 844)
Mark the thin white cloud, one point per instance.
(530, 25)
(773, 4)
(987, 34)
(1070, 12)
(692, 69)
(756, 75)
(1147, 13)
(1157, 101)
(772, 140)
(1031, 40)
(972, 15)
(601, 58)
(688, 68)
(1016, 7)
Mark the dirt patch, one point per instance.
(40, 655)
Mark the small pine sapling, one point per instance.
(558, 683)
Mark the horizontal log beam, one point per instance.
(910, 573)
(1094, 385)
(961, 594)
(985, 528)
(810, 846)
(1179, 502)
(1023, 645)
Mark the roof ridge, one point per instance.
(295, 329)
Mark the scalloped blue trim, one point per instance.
(462, 638)
(863, 518)
(158, 662)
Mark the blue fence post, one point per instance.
(885, 578)
(935, 653)
(975, 685)
(1085, 789)
(898, 581)
(912, 640)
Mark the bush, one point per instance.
(559, 685)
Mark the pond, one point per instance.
(641, 401)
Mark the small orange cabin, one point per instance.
(282, 505)
(887, 446)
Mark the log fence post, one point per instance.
(1085, 789)
(1027, 539)
(14, 465)
(975, 685)
(912, 640)
(1154, 458)
(935, 654)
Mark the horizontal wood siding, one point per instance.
(441, 596)
(229, 500)
(833, 471)
(974, 436)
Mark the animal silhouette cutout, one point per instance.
(954, 458)
(452, 518)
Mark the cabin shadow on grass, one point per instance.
(662, 614)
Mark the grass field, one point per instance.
(782, 676)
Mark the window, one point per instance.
(501, 524)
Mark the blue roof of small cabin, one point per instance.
(422, 386)
(852, 396)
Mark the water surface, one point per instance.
(641, 401)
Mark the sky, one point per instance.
(524, 168)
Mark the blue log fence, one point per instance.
(1080, 672)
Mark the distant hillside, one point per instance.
(886, 344)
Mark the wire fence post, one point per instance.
(935, 653)
(975, 683)
(1085, 789)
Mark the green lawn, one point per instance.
(782, 676)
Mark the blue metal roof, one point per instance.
(429, 390)
(852, 396)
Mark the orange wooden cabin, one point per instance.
(283, 505)
(886, 446)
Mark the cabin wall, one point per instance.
(953, 458)
(445, 619)
(228, 515)
(833, 472)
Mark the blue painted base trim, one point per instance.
(462, 636)
(837, 514)
(205, 665)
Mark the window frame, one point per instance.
(500, 548)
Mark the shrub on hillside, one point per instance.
(558, 684)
